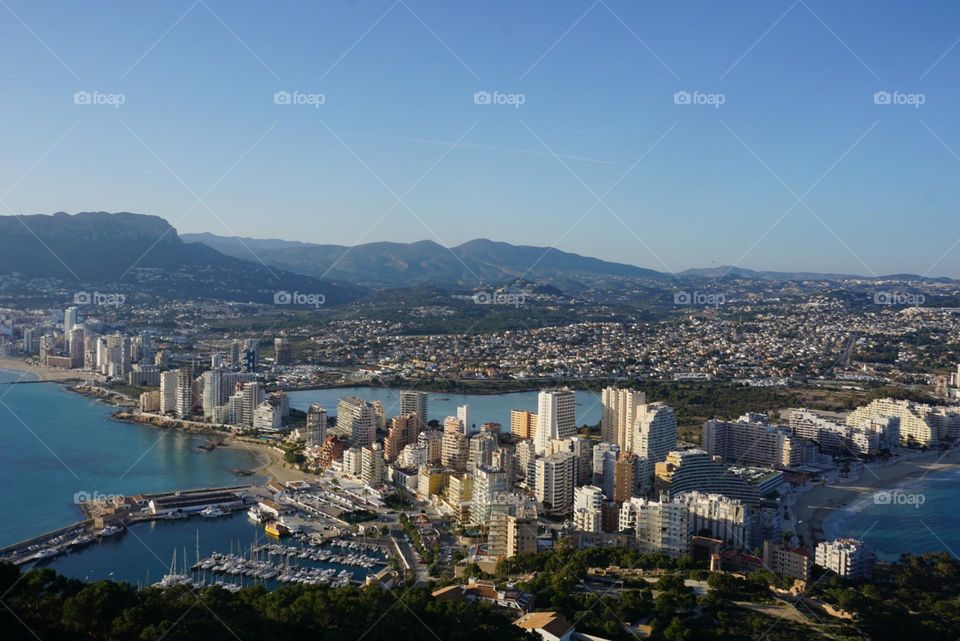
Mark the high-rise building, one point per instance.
(372, 465)
(316, 425)
(432, 441)
(620, 411)
(480, 450)
(654, 436)
(70, 317)
(588, 508)
(168, 391)
(848, 558)
(488, 484)
(401, 432)
(212, 391)
(625, 473)
(787, 562)
(76, 346)
(720, 517)
(744, 442)
(605, 457)
(283, 351)
(463, 413)
(454, 446)
(184, 404)
(523, 424)
(697, 471)
(356, 421)
(555, 481)
(556, 417)
(415, 402)
(660, 526)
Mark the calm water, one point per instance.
(892, 529)
(55, 444)
(483, 408)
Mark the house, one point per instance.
(551, 626)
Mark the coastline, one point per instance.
(42, 373)
(814, 506)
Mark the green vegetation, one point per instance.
(43, 605)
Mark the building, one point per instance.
(556, 417)
(432, 440)
(720, 517)
(786, 562)
(454, 452)
(523, 424)
(605, 457)
(316, 427)
(480, 449)
(330, 451)
(463, 414)
(555, 481)
(184, 394)
(168, 391)
(834, 437)
(513, 528)
(626, 471)
(620, 411)
(654, 436)
(848, 558)
(551, 626)
(588, 508)
(415, 402)
(488, 485)
(372, 467)
(697, 471)
(920, 425)
(71, 316)
(402, 431)
(660, 526)
(282, 351)
(356, 421)
(745, 442)
(212, 391)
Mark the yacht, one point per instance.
(110, 530)
(213, 512)
(255, 514)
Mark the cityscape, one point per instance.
(480, 404)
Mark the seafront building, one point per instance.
(356, 421)
(848, 558)
(919, 424)
(556, 417)
(621, 408)
(659, 526)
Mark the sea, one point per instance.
(919, 515)
(58, 447)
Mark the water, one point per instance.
(56, 445)
(921, 517)
(145, 551)
(483, 407)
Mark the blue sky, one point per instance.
(797, 169)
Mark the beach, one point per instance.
(31, 371)
(815, 505)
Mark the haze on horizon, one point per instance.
(791, 161)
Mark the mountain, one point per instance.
(140, 253)
(388, 264)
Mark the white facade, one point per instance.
(556, 417)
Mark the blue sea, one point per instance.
(920, 515)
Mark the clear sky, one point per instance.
(797, 169)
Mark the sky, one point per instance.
(668, 135)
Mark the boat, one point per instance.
(213, 512)
(110, 530)
(276, 529)
(81, 540)
(46, 553)
(174, 578)
(172, 516)
(256, 514)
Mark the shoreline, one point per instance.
(42, 373)
(814, 506)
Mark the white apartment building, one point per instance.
(848, 558)
(727, 519)
(661, 526)
(556, 417)
(554, 482)
(168, 391)
(620, 411)
(920, 424)
(655, 435)
(588, 508)
(489, 484)
(372, 466)
(356, 420)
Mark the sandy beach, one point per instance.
(814, 505)
(272, 464)
(32, 371)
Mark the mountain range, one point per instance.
(144, 253)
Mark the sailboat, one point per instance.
(174, 578)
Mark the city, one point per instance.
(547, 321)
